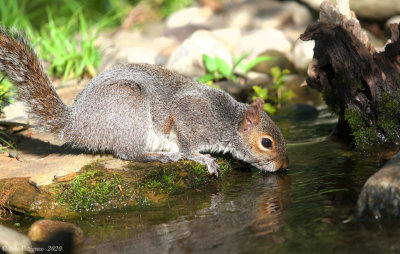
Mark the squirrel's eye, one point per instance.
(266, 142)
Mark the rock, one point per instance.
(257, 79)
(13, 242)
(303, 53)
(188, 58)
(46, 230)
(112, 56)
(231, 36)
(238, 91)
(13, 154)
(241, 17)
(280, 60)
(302, 94)
(380, 196)
(285, 14)
(370, 9)
(189, 16)
(16, 112)
(261, 40)
(43, 158)
(301, 15)
(141, 55)
(130, 47)
(20, 195)
(183, 32)
(392, 20)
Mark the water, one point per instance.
(306, 210)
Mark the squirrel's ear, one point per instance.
(251, 116)
(259, 103)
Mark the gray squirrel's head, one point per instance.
(265, 142)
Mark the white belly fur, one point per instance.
(159, 142)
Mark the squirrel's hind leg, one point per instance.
(165, 157)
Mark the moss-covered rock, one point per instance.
(20, 196)
(364, 135)
(384, 129)
(98, 188)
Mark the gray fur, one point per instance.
(122, 109)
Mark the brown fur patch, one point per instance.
(168, 126)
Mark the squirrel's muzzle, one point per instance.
(284, 163)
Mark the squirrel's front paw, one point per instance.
(208, 161)
(212, 165)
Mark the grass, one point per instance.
(63, 32)
(7, 92)
(6, 143)
(70, 55)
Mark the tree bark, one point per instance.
(358, 83)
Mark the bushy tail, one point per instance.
(23, 69)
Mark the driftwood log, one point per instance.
(358, 83)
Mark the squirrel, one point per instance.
(143, 112)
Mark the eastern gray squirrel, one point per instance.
(143, 112)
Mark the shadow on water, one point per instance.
(305, 210)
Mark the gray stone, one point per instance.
(371, 9)
(239, 92)
(130, 47)
(279, 60)
(13, 242)
(302, 94)
(189, 16)
(380, 196)
(392, 20)
(261, 40)
(188, 58)
(12, 154)
(231, 36)
(183, 32)
(241, 17)
(285, 14)
(303, 52)
(301, 15)
(44, 230)
(141, 55)
(16, 112)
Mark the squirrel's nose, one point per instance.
(285, 162)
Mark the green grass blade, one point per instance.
(223, 67)
(255, 61)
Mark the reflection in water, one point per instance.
(232, 218)
(270, 204)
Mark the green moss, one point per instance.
(177, 177)
(97, 188)
(90, 190)
(364, 135)
(388, 116)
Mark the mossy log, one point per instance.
(358, 83)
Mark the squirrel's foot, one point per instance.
(207, 160)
